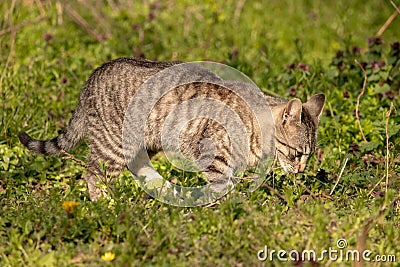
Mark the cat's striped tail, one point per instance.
(66, 141)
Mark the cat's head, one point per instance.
(296, 126)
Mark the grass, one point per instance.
(289, 48)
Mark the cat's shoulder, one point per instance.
(138, 62)
(275, 101)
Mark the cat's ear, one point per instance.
(314, 105)
(292, 112)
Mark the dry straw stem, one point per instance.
(387, 145)
(40, 7)
(22, 24)
(395, 6)
(102, 177)
(358, 100)
(363, 235)
(83, 23)
(305, 188)
(59, 12)
(340, 176)
(238, 10)
(15, 28)
(275, 192)
(66, 155)
(98, 17)
(387, 153)
(389, 20)
(80, 21)
(113, 6)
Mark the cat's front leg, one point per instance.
(220, 183)
(141, 167)
(146, 174)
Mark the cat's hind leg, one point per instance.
(103, 168)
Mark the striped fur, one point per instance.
(108, 91)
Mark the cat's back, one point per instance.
(122, 75)
(110, 87)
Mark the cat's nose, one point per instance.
(301, 168)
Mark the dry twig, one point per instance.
(395, 6)
(104, 179)
(305, 188)
(59, 9)
(40, 7)
(78, 19)
(238, 10)
(13, 34)
(98, 17)
(358, 101)
(340, 176)
(387, 154)
(275, 192)
(66, 155)
(363, 235)
(22, 24)
(113, 6)
(387, 146)
(389, 20)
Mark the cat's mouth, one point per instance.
(289, 168)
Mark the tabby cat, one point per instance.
(105, 99)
